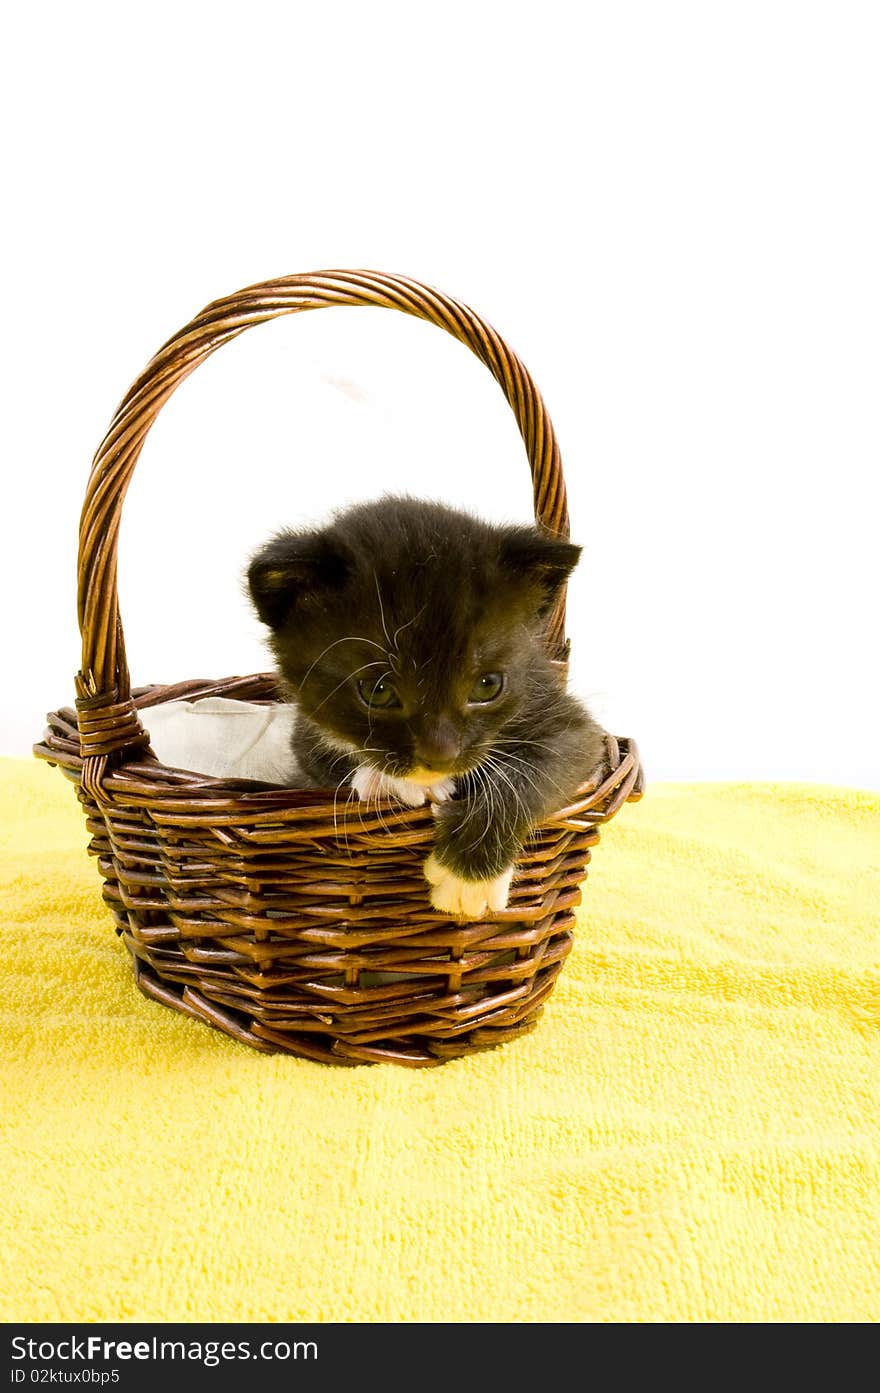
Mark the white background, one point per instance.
(670, 211)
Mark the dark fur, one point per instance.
(433, 597)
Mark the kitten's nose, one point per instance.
(438, 746)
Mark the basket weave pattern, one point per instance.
(293, 919)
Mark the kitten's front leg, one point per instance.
(479, 836)
(477, 840)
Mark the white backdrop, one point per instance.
(670, 211)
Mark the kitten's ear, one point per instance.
(291, 570)
(543, 562)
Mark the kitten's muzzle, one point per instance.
(438, 748)
(419, 774)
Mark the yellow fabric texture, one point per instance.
(690, 1134)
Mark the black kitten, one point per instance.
(409, 636)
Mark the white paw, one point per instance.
(415, 791)
(467, 899)
(439, 792)
(371, 784)
(405, 791)
(367, 782)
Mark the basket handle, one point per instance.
(107, 718)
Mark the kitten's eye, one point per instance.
(381, 693)
(487, 687)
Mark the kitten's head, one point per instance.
(410, 632)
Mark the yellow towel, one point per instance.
(692, 1132)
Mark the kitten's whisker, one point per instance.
(490, 814)
(487, 802)
(379, 679)
(524, 771)
(331, 766)
(382, 611)
(401, 627)
(375, 663)
(527, 768)
(520, 741)
(529, 743)
(348, 638)
(518, 792)
(494, 764)
(335, 819)
(471, 800)
(378, 799)
(488, 770)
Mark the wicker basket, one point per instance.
(291, 921)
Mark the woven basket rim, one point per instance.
(168, 781)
